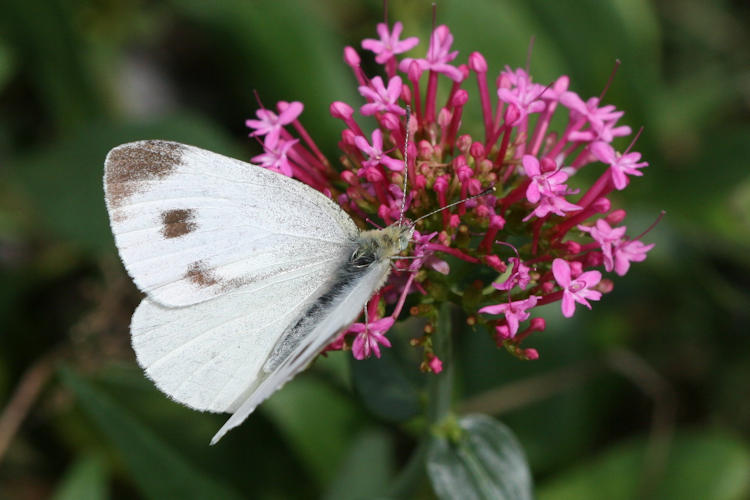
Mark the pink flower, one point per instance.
(389, 45)
(370, 337)
(629, 251)
(450, 159)
(524, 95)
(425, 255)
(436, 365)
(275, 158)
(602, 120)
(547, 188)
(575, 290)
(375, 152)
(519, 277)
(514, 312)
(603, 234)
(438, 56)
(270, 124)
(620, 165)
(381, 98)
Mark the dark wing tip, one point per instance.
(129, 165)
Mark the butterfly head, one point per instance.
(382, 244)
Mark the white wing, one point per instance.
(342, 312)
(208, 355)
(230, 255)
(192, 225)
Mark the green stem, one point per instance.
(440, 390)
(439, 397)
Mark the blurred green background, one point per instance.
(648, 394)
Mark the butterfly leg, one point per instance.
(366, 316)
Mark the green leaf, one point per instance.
(304, 63)
(86, 479)
(45, 39)
(385, 389)
(708, 465)
(485, 462)
(7, 64)
(317, 421)
(157, 470)
(366, 469)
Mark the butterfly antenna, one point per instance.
(485, 192)
(406, 164)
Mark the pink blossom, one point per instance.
(436, 365)
(270, 124)
(370, 337)
(603, 234)
(450, 159)
(425, 255)
(375, 152)
(389, 45)
(519, 277)
(514, 312)
(620, 165)
(524, 95)
(275, 158)
(629, 251)
(575, 290)
(438, 56)
(547, 189)
(381, 98)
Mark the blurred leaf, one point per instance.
(318, 423)
(486, 462)
(65, 179)
(156, 468)
(188, 432)
(502, 34)
(366, 469)
(51, 51)
(304, 63)
(707, 465)
(7, 64)
(86, 479)
(385, 389)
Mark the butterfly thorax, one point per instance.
(378, 245)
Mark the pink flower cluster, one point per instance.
(540, 234)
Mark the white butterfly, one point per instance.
(248, 274)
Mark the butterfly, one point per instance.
(248, 274)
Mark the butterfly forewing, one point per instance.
(192, 225)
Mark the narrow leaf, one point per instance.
(85, 479)
(158, 470)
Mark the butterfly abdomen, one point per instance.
(370, 249)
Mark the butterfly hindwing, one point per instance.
(208, 355)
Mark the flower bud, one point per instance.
(538, 324)
(463, 143)
(341, 110)
(477, 150)
(531, 354)
(477, 62)
(351, 57)
(616, 216)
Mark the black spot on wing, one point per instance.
(176, 223)
(200, 275)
